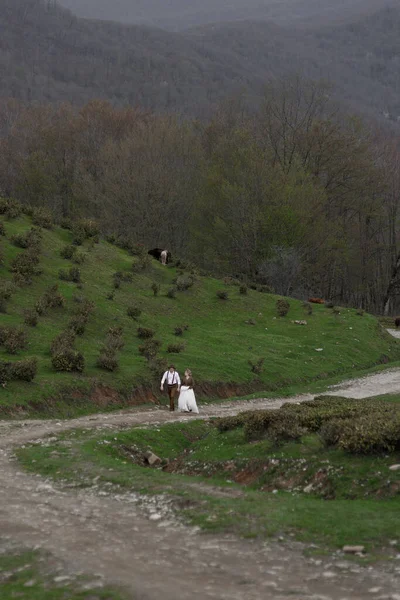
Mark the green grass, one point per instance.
(29, 576)
(219, 343)
(230, 485)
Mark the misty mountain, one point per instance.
(49, 55)
(176, 15)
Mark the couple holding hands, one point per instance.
(187, 399)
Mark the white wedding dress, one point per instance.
(187, 400)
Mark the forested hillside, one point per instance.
(288, 197)
(86, 324)
(180, 14)
(48, 55)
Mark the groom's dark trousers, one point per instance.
(172, 389)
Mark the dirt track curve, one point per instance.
(122, 540)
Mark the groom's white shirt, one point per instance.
(171, 378)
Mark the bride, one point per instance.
(187, 400)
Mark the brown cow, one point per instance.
(316, 300)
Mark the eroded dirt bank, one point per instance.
(139, 544)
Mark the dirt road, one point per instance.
(141, 546)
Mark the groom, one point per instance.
(173, 384)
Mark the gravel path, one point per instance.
(119, 539)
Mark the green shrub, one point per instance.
(78, 236)
(68, 360)
(6, 290)
(52, 298)
(10, 208)
(171, 293)
(66, 223)
(185, 265)
(5, 371)
(40, 307)
(110, 296)
(137, 249)
(175, 348)
(30, 317)
(13, 339)
(78, 324)
(116, 331)
(86, 308)
(116, 283)
(243, 289)
(180, 329)
(79, 258)
(360, 312)
(73, 274)
(330, 304)
(127, 277)
(64, 341)
(222, 295)
(107, 361)
(284, 430)
(30, 239)
(24, 370)
(282, 307)
(134, 312)
(142, 263)
(155, 288)
(111, 238)
(258, 366)
(184, 283)
(2, 229)
(150, 348)
(231, 281)
(42, 217)
(307, 307)
(371, 434)
(20, 240)
(230, 423)
(24, 267)
(123, 276)
(90, 228)
(114, 343)
(27, 209)
(355, 426)
(145, 332)
(68, 251)
(3, 306)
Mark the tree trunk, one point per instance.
(390, 288)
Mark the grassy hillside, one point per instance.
(223, 335)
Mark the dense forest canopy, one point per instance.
(49, 55)
(291, 196)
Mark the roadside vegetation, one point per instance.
(233, 475)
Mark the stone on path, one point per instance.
(353, 549)
(152, 459)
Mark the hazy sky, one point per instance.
(178, 14)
